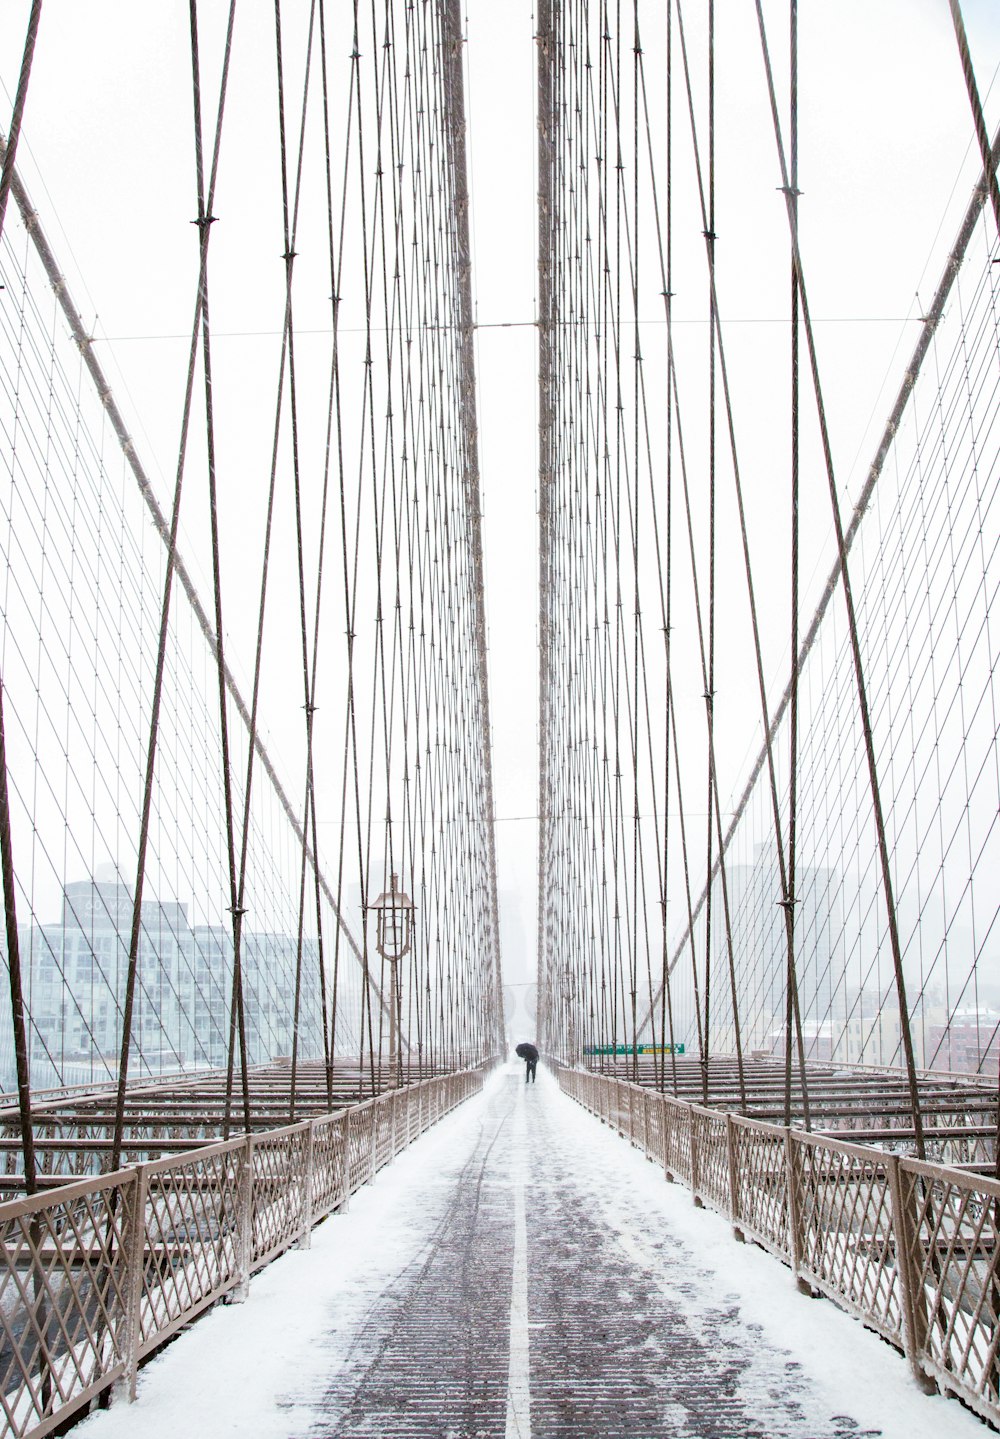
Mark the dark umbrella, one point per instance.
(527, 1051)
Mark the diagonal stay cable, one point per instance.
(931, 321)
(85, 344)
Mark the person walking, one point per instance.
(529, 1054)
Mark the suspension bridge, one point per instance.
(254, 594)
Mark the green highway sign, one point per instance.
(633, 1049)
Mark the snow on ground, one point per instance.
(259, 1369)
(851, 1369)
(231, 1373)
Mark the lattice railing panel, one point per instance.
(618, 1114)
(584, 1091)
(408, 1118)
(279, 1175)
(191, 1234)
(710, 1157)
(384, 1123)
(62, 1301)
(845, 1216)
(654, 1126)
(961, 1149)
(677, 1139)
(360, 1136)
(760, 1206)
(329, 1167)
(956, 1293)
(625, 1104)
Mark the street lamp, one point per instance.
(393, 935)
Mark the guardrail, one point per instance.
(97, 1274)
(909, 1248)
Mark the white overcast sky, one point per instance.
(886, 167)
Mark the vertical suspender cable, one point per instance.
(792, 1015)
(990, 173)
(6, 841)
(666, 1000)
(206, 219)
(545, 50)
(14, 968)
(170, 566)
(710, 678)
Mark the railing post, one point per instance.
(305, 1240)
(374, 1143)
(244, 1226)
(631, 1113)
(646, 1097)
(393, 1106)
(734, 1180)
(795, 1231)
(134, 1247)
(912, 1301)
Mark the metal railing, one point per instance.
(99, 1273)
(908, 1247)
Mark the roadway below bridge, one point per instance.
(521, 1271)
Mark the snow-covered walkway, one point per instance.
(522, 1271)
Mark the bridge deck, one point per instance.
(522, 1271)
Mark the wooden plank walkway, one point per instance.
(523, 1272)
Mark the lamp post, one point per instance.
(393, 935)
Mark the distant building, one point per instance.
(75, 976)
(871, 1029)
(760, 947)
(819, 1040)
(968, 1043)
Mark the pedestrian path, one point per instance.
(519, 1272)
